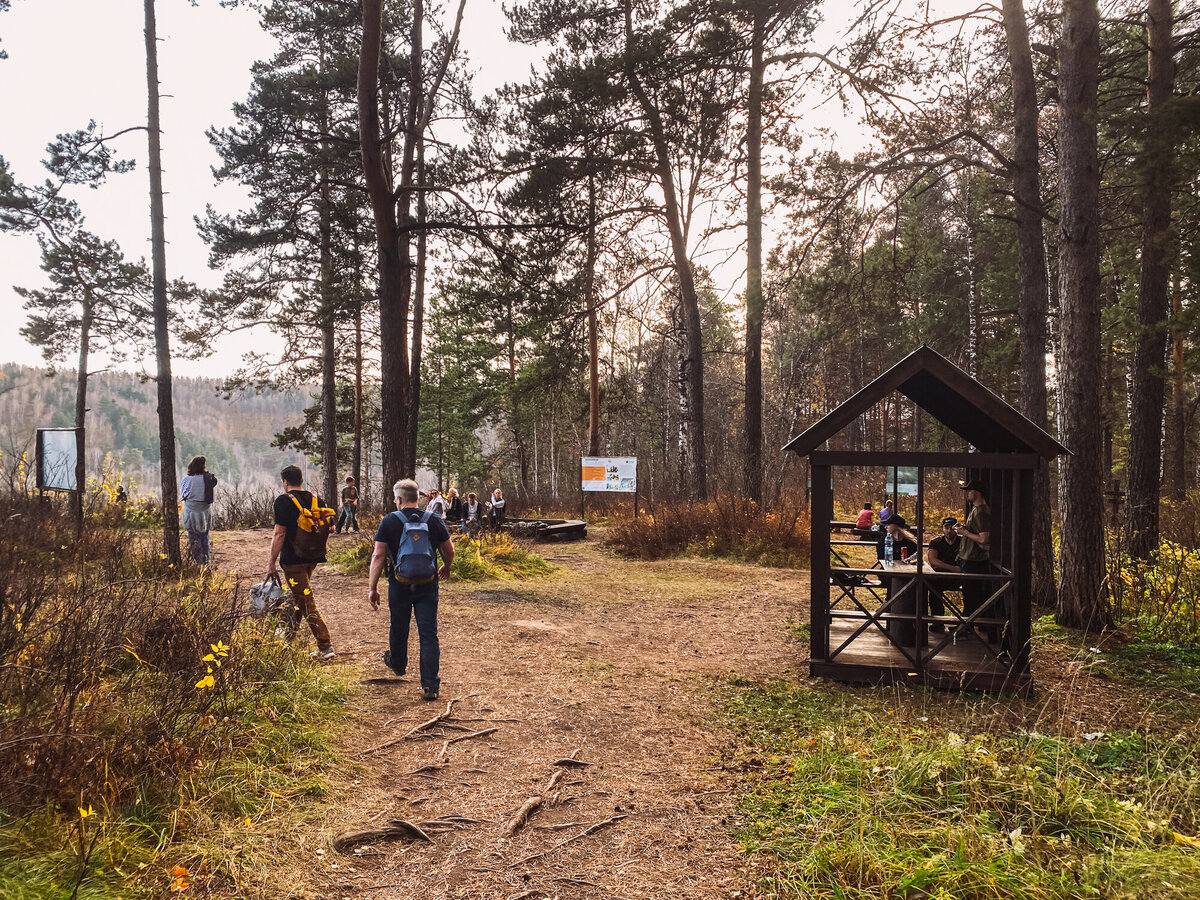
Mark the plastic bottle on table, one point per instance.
(888, 557)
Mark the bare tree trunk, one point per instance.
(754, 286)
(589, 282)
(1178, 416)
(1148, 388)
(418, 319)
(329, 435)
(394, 277)
(169, 483)
(81, 386)
(1082, 600)
(698, 469)
(357, 452)
(1034, 303)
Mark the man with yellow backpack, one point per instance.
(302, 526)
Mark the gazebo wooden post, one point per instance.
(822, 515)
(922, 591)
(1023, 613)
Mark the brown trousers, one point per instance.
(304, 604)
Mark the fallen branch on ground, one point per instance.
(521, 816)
(396, 830)
(434, 720)
(401, 829)
(591, 829)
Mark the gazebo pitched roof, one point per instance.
(948, 394)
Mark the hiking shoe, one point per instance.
(323, 655)
(429, 693)
(387, 661)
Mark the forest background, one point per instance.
(651, 246)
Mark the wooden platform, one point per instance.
(962, 665)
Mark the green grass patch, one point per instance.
(353, 560)
(1156, 664)
(216, 830)
(849, 796)
(495, 556)
(481, 558)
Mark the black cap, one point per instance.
(897, 520)
(949, 520)
(974, 485)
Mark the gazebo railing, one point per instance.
(918, 585)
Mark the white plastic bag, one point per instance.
(265, 596)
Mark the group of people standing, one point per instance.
(467, 514)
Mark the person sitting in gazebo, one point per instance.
(903, 544)
(942, 556)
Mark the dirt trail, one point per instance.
(609, 660)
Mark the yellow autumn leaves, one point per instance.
(220, 651)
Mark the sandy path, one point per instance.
(615, 661)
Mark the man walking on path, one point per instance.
(297, 570)
(407, 539)
(349, 515)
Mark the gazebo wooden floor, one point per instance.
(964, 665)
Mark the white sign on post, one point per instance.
(57, 450)
(610, 473)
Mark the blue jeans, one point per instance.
(198, 546)
(420, 602)
(347, 518)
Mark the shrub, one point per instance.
(113, 665)
(727, 528)
(1161, 597)
(238, 507)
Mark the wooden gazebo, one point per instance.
(870, 623)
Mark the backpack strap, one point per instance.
(425, 517)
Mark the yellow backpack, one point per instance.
(312, 529)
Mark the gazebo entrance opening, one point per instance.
(949, 628)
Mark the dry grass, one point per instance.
(732, 528)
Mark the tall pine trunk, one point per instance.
(754, 287)
(329, 435)
(1082, 600)
(1178, 432)
(394, 276)
(1034, 303)
(81, 387)
(169, 484)
(1148, 388)
(689, 298)
(593, 325)
(418, 316)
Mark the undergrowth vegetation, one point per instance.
(489, 555)
(144, 721)
(732, 528)
(859, 796)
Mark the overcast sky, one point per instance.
(75, 60)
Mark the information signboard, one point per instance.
(610, 473)
(57, 452)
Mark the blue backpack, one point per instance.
(416, 557)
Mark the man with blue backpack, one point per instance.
(407, 543)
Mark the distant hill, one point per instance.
(235, 434)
